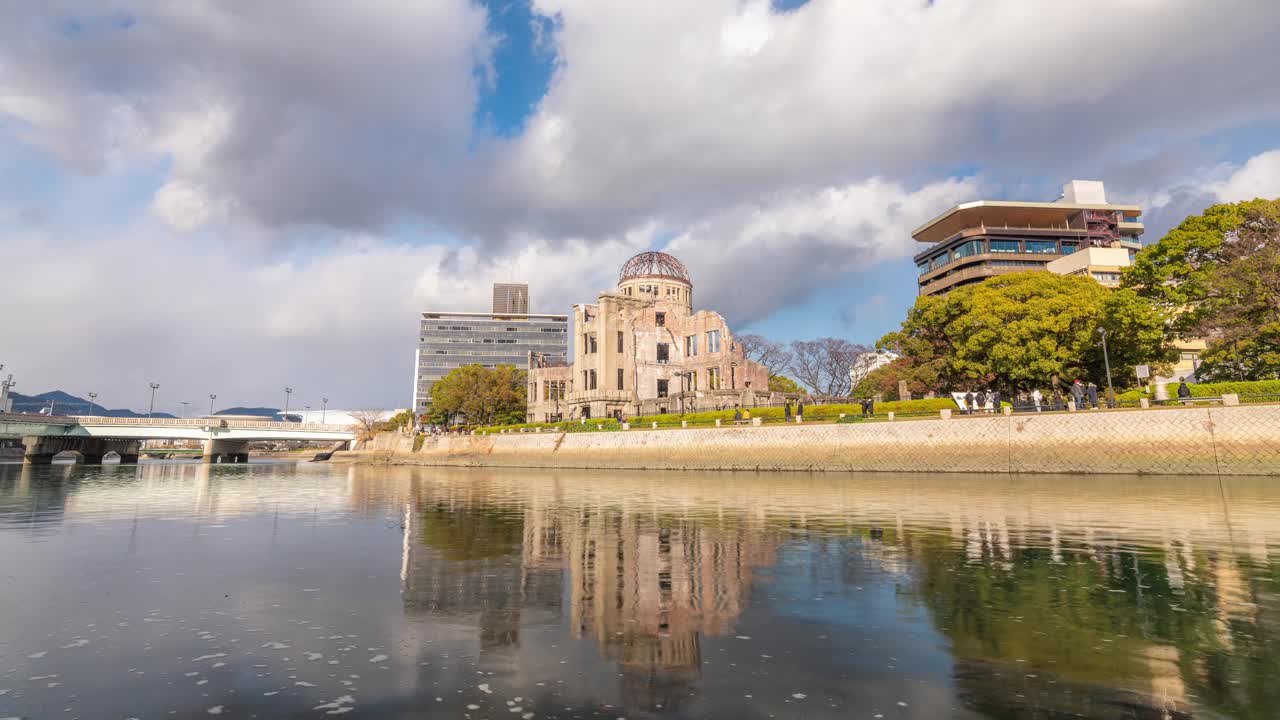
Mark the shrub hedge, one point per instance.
(1243, 389)
(832, 411)
(605, 424)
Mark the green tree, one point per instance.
(1218, 273)
(1016, 331)
(402, 419)
(1176, 272)
(482, 395)
(920, 377)
(782, 383)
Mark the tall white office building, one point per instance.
(450, 340)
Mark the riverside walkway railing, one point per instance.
(817, 415)
(204, 422)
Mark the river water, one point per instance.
(290, 591)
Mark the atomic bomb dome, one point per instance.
(651, 265)
(656, 276)
(642, 350)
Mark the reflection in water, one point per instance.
(705, 595)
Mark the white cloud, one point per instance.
(754, 258)
(781, 151)
(678, 110)
(293, 112)
(181, 205)
(135, 307)
(1259, 178)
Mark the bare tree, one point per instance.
(367, 421)
(863, 364)
(824, 364)
(774, 356)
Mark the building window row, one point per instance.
(588, 379)
(978, 247)
(477, 352)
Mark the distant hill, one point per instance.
(68, 404)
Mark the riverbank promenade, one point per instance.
(1192, 440)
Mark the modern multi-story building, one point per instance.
(641, 349)
(977, 240)
(1079, 234)
(511, 298)
(450, 340)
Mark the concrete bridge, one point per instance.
(225, 439)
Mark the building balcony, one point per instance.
(982, 268)
(986, 259)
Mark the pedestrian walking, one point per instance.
(737, 413)
(800, 411)
(1093, 396)
(1036, 398)
(871, 407)
(1077, 393)
(786, 412)
(995, 402)
(969, 399)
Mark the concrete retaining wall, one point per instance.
(1194, 441)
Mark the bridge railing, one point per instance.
(207, 422)
(36, 418)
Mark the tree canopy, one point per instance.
(485, 396)
(921, 378)
(782, 383)
(1218, 273)
(824, 365)
(1017, 331)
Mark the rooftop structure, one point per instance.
(511, 298)
(977, 240)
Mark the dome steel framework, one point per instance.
(654, 264)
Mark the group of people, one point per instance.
(977, 402)
(786, 413)
(1085, 397)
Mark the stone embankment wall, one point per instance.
(1240, 440)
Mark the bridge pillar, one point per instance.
(92, 450)
(226, 451)
(40, 450)
(126, 449)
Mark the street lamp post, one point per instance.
(212, 397)
(324, 402)
(1106, 359)
(152, 407)
(184, 405)
(287, 392)
(93, 400)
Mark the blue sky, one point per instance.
(195, 189)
